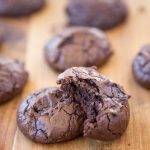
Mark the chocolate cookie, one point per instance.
(78, 46)
(141, 67)
(47, 117)
(19, 7)
(86, 102)
(13, 78)
(104, 102)
(103, 14)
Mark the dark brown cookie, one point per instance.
(13, 78)
(103, 14)
(85, 102)
(46, 117)
(104, 102)
(78, 46)
(141, 67)
(19, 7)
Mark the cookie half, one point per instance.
(46, 116)
(104, 102)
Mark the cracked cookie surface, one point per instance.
(141, 67)
(104, 102)
(78, 46)
(47, 117)
(13, 78)
(103, 14)
(19, 7)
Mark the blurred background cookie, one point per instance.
(19, 7)
(103, 14)
(13, 78)
(78, 46)
(141, 67)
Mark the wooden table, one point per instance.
(24, 38)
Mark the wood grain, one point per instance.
(126, 40)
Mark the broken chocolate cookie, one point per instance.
(104, 102)
(85, 103)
